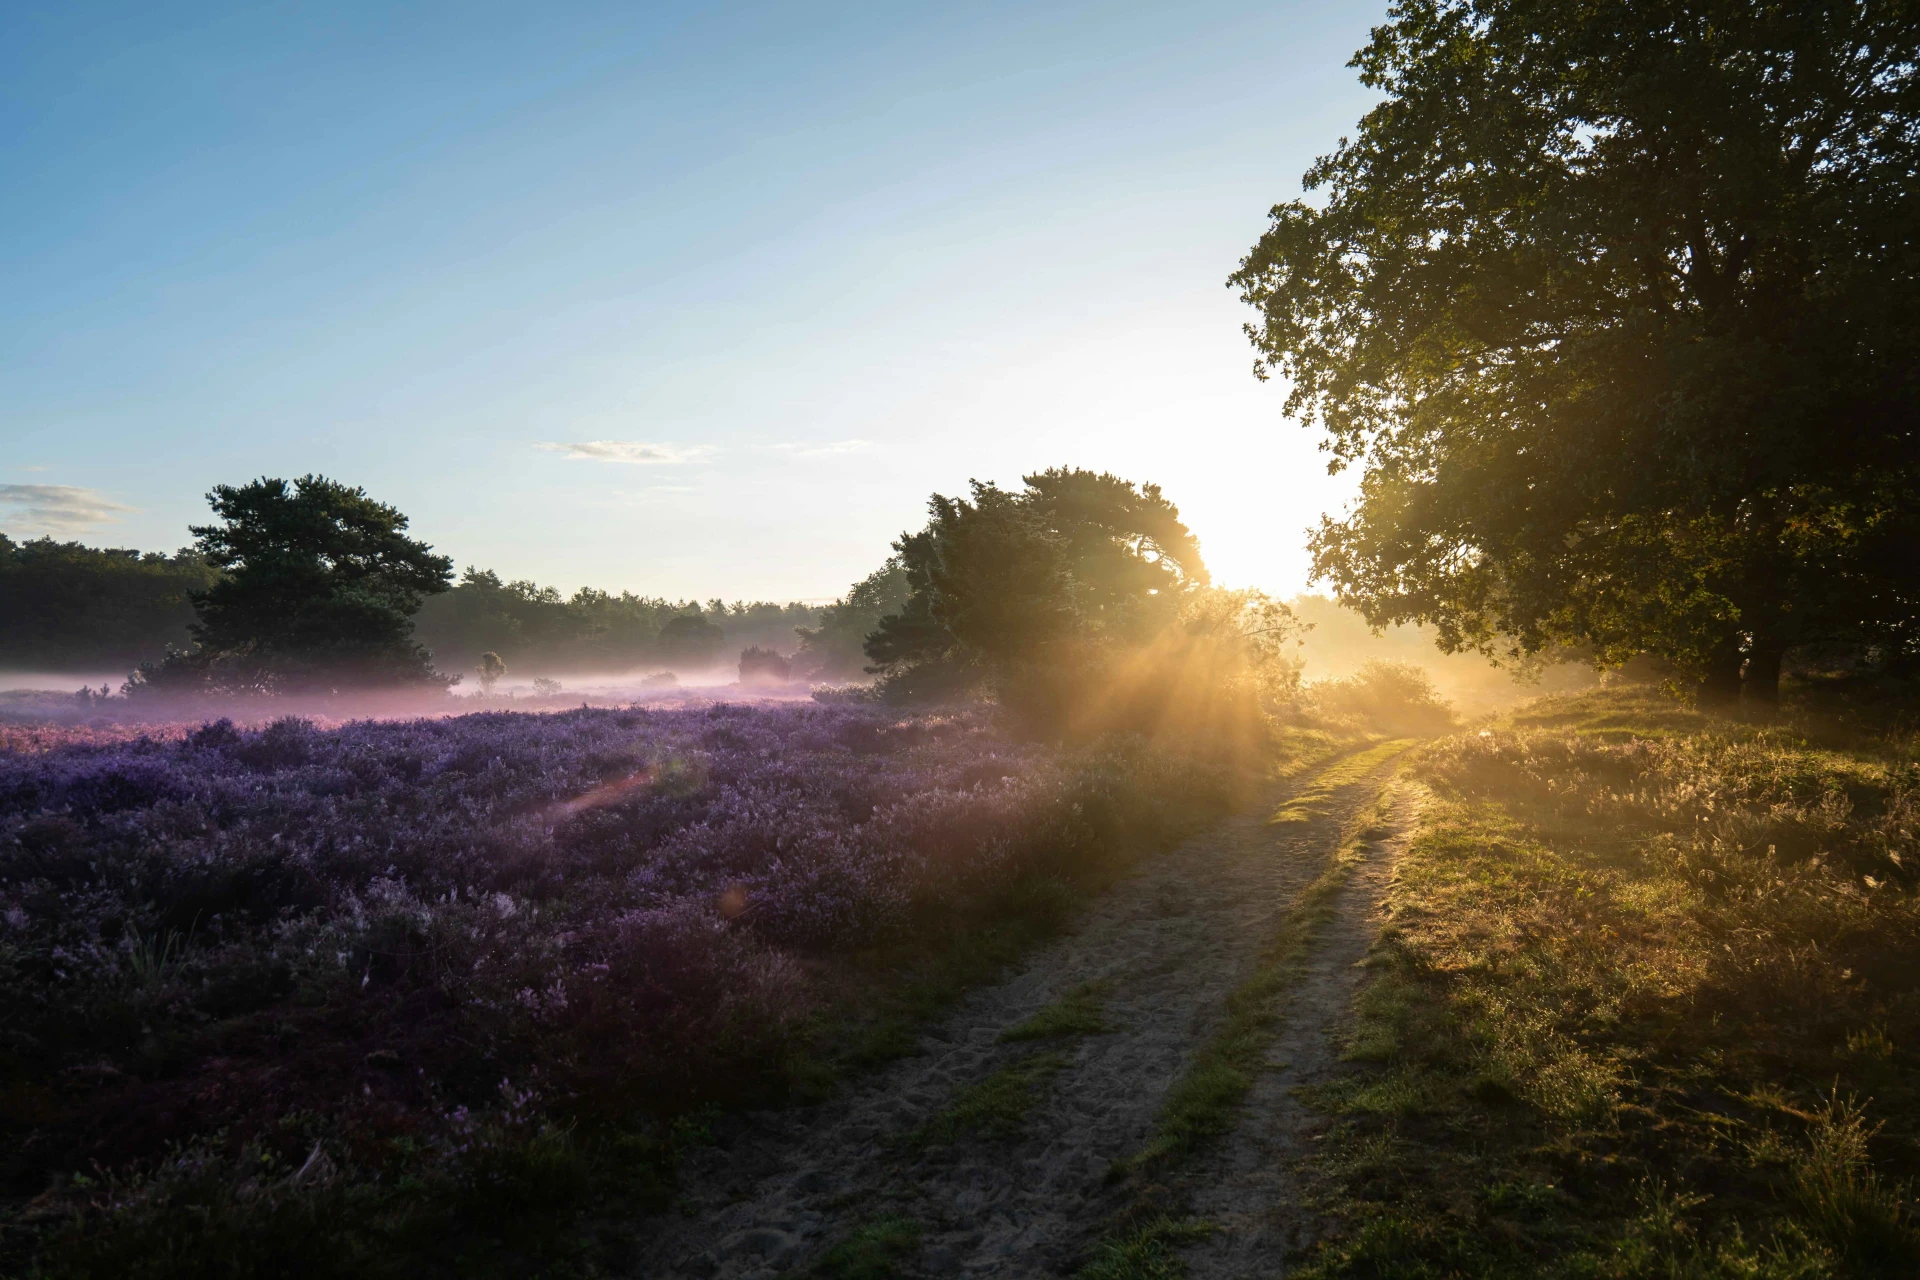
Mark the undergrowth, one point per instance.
(873, 1252)
(1648, 1004)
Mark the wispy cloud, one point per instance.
(804, 449)
(32, 509)
(637, 452)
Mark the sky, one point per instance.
(690, 301)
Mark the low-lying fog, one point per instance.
(1336, 644)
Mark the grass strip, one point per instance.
(1199, 1108)
(996, 1107)
(1077, 1013)
(1315, 800)
(1146, 1252)
(874, 1252)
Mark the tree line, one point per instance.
(68, 607)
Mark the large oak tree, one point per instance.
(1614, 302)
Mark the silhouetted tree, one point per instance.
(1075, 557)
(835, 648)
(1082, 600)
(320, 583)
(490, 670)
(1616, 305)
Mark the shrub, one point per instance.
(763, 667)
(1395, 698)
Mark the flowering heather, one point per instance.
(372, 927)
(48, 737)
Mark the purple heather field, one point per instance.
(393, 931)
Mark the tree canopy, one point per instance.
(1005, 576)
(1079, 593)
(317, 593)
(834, 648)
(1615, 305)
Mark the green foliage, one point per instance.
(319, 587)
(690, 640)
(1004, 578)
(834, 649)
(1614, 303)
(64, 606)
(1077, 1013)
(535, 627)
(490, 669)
(1146, 1252)
(1082, 601)
(996, 1107)
(763, 666)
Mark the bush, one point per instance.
(763, 667)
(1388, 697)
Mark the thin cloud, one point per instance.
(804, 450)
(32, 509)
(635, 452)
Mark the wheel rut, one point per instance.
(1250, 1187)
(1159, 952)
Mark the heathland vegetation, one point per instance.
(283, 997)
(1646, 1002)
(1616, 308)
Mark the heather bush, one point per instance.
(293, 939)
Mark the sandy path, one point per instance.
(1250, 1186)
(779, 1188)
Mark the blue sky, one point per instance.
(684, 300)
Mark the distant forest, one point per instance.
(67, 607)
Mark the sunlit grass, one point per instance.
(1315, 800)
(1659, 968)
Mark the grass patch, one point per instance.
(996, 1107)
(874, 1252)
(1315, 800)
(1647, 1005)
(1146, 1252)
(1077, 1013)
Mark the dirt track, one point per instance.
(1167, 946)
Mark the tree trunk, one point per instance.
(1762, 683)
(1720, 682)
